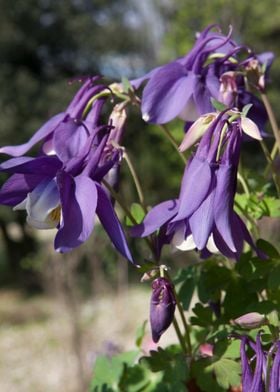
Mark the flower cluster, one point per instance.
(203, 217)
(185, 87)
(62, 186)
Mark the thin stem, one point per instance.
(242, 181)
(172, 140)
(182, 315)
(180, 336)
(272, 119)
(271, 165)
(186, 326)
(136, 180)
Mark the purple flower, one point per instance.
(66, 133)
(256, 366)
(66, 193)
(211, 70)
(162, 307)
(203, 218)
(187, 84)
(275, 371)
(252, 381)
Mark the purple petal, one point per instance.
(111, 223)
(257, 384)
(223, 206)
(247, 375)
(15, 189)
(167, 93)
(205, 214)
(275, 372)
(202, 98)
(136, 83)
(69, 139)
(42, 133)
(45, 165)
(155, 218)
(195, 185)
(78, 202)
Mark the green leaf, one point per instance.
(268, 249)
(137, 212)
(171, 365)
(218, 105)
(126, 85)
(185, 282)
(204, 315)
(140, 333)
(227, 372)
(107, 372)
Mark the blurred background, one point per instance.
(56, 312)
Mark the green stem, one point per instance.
(242, 181)
(172, 140)
(180, 336)
(271, 165)
(272, 119)
(136, 180)
(182, 315)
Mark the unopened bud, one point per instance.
(162, 307)
(250, 320)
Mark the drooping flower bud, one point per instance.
(250, 320)
(228, 88)
(162, 307)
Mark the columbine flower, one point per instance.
(162, 307)
(187, 82)
(66, 133)
(203, 217)
(65, 193)
(256, 366)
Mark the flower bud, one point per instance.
(228, 88)
(162, 307)
(250, 320)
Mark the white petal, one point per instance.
(250, 128)
(180, 242)
(211, 246)
(21, 205)
(196, 131)
(42, 204)
(146, 117)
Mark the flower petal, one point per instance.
(111, 223)
(69, 139)
(250, 128)
(155, 218)
(223, 206)
(78, 202)
(167, 93)
(15, 189)
(40, 203)
(43, 132)
(202, 220)
(44, 166)
(195, 185)
(196, 131)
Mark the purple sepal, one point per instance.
(162, 307)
